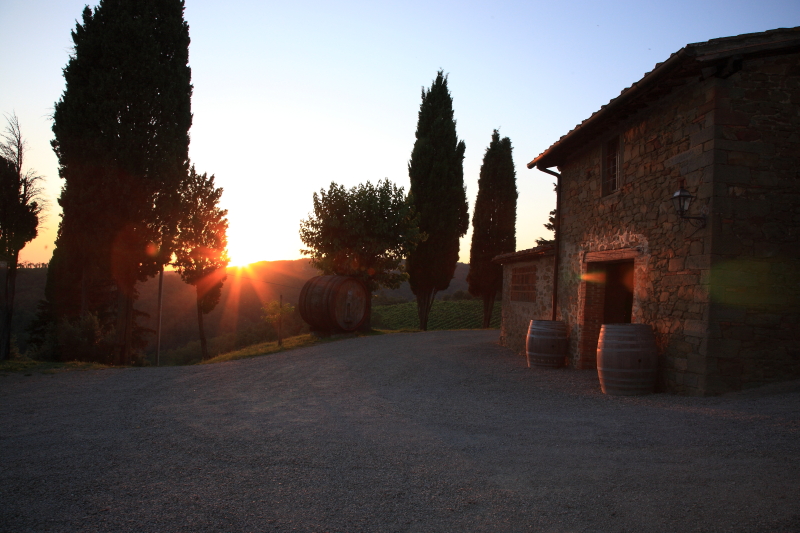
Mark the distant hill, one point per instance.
(245, 291)
(243, 294)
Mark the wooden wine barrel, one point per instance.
(334, 303)
(546, 345)
(627, 359)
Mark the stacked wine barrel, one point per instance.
(334, 304)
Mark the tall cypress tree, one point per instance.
(122, 140)
(436, 171)
(493, 222)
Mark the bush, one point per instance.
(14, 353)
(246, 335)
(83, 340)
(190, 353)
(78, 339)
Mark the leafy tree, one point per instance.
(201, 255)
(122, 138)
(550, 226)
(493, 222)
(436, 172)
(20, 207)
(365, 231)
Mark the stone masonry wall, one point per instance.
(661, 144)
(755, 256)
(516, 315)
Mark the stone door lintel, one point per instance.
(611, 255)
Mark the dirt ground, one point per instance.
(437, 431)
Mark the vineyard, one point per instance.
(465, 314)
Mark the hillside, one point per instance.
(243, 294)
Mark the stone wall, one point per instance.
(517, 315)
(755, 256)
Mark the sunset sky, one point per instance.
(289, 96)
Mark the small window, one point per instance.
(523, 284)
(612, 165)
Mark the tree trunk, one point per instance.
(366, 327)
(203, 346)
(280, 322)
(488, 306)
(8, 276)
(84, 289)
(124, 328)
(424, 304)
(158, 319)
(4, 332)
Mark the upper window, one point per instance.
(612, 166)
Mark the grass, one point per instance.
(29, 366)
(290, 343)
(398, 318)
(458, 314)
(265, 348)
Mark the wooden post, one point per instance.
(158, 318)
(280, 322)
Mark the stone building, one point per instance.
(720, 284)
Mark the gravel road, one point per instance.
(437, 431)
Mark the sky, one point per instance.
(291, 96)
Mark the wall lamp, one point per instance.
(681, 200)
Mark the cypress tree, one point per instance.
(436, 172)
(493, 222)
(122, 140)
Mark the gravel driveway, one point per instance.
(437, 431)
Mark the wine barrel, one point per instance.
(546, 345)
(627, 359)
(334, 303)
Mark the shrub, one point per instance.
(77, 339)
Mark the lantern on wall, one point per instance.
(681, 200)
